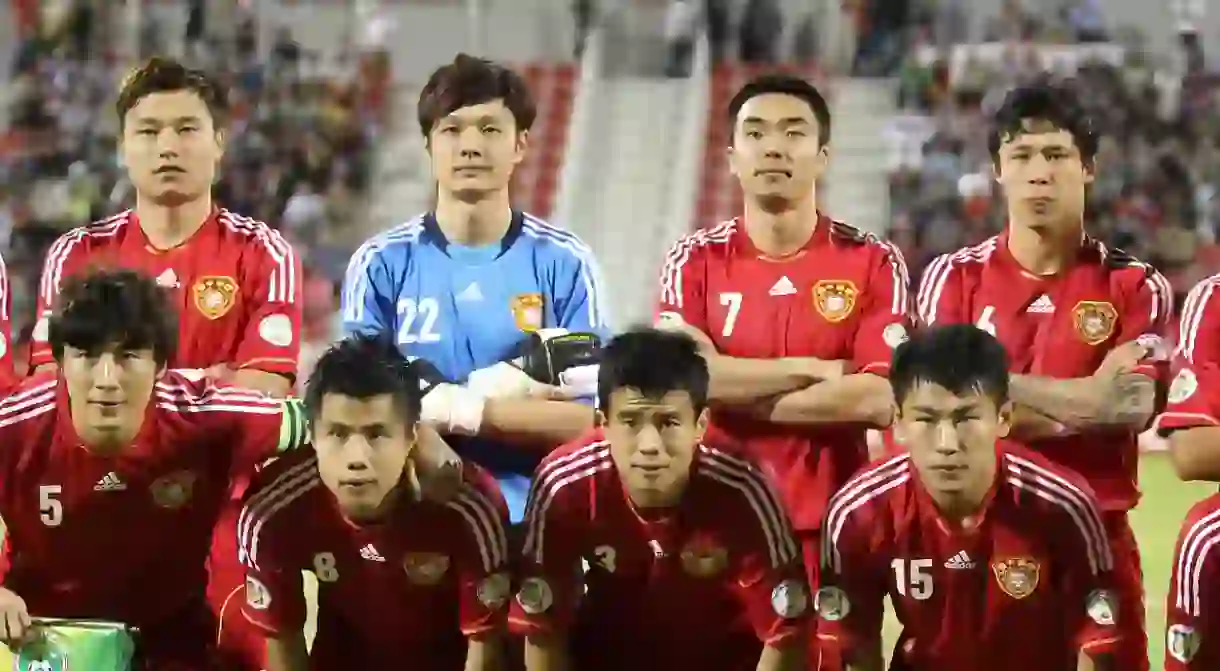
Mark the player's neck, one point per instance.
(482, 222)
(167, 227)
(781, 231)
(1043, 252)
(956, 507)
(105, 444)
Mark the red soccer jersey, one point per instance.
(700, 586)
(1192, 607)
(401, 594)
(843, 296)
(235, 283)
(1024, 584)
(125, 538)
(1194, 396)
(1062, 327)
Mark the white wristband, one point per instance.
(466, 412)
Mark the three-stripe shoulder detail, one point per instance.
(552, 478)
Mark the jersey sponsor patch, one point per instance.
(832, 604)
(1017, 576)
(425, 568)
(789, 599)
(1183, 642)
(535, 596)
(1094, 321)
(494, 591)
(1184, 386)
(527, 311)
(214, 296)
(834, 299)
(276, 329)
(258, 596)
(1101, 607)
(894, 335)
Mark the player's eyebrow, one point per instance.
(152, 121)
(786, 121)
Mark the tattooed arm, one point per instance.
(1123, 399)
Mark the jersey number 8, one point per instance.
(324, 567)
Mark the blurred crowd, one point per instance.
(1158, 164)
(298, 154)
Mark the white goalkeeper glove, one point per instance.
(552, 363)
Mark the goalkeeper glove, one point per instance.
(451, 407)
(550, 362)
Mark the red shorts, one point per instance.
(182, 642)
(241, 644)
(821, 658)
(1132, 653)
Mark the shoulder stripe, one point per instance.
(551, 478)
(1054, 488)
(760, 495)
(5, 300)
(679, 254)
(900, 300)
(214, 399)
(61, 251)
(28, 404)
(1194, 310)
(938, 272)
(1197, 545)
(356, 278)
(862, 488)
(486, 526)
(283, 284)
(287, 487)
(590, 271)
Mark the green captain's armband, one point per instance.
(294, 427)
(68, 645)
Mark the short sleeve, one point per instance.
(939, 299)
(367, 299)
(261, 427)
(850, 600)
(274, 601)
(1194, 398)
(683, 281)
(1199, 327)
(549, 585)
(63, 259)
(482, 559)
(1147, 313)
(272, 298)
(886, 311)
(1194, 593)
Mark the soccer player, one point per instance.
(7, 374)
(1191, 420)
(1063, 303)
(689, 559)
(1192, 623)
(798, 312)
(463, 285)
(992, 556)
(403, 582)
(115, 471)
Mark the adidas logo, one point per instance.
(960, 560)
(110, 483)
(783, 287)
(370, 553)
(1042, 306)
(168, 279)
(470, 294)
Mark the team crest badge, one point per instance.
(1183, 386)
(425, 568)
(1094, 321)
(1017, 576)
(494, 591)
(527, 311)
(834, 299)
(789, 599)
(215, 296)
(704, 560)
(1183, 642)
(174, 490)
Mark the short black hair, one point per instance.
(473, 81)
(1051, 102)
(785, 84)
(105, 307)
(362, 366)
(959, 357)
(655, 363)
(162, 75)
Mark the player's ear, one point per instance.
(823, 158)
(899, 430)
(1004, 423)
(1090, 170)
(731, 153)
(701, 424)
(222, 142)
(599, 419)
(523, 142)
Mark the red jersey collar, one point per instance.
(140, 237)
(67, 430)
(930, 512)
(820, 236)
(1004, 255)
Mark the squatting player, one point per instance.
(992, 556)
(403, 582)
(689, 559)
(1061, 302)
(802, 311)
(1192, 606)
(463, 285)
(113, 472)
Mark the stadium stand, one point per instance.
(537, 180)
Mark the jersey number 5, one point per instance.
(50, 508)
(913, 577)
(417, 321)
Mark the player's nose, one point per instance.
(106, 371)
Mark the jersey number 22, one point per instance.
(417, 321)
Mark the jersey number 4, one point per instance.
(417, 321)
(913, 577)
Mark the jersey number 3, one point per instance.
(417, 321)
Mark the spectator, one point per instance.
(681, 30)
(761, 26)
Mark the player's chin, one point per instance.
(360, 503)
(172, 195)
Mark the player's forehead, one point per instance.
(929, 397)
(164, 107)
(1038, 135)
(492, 111)
(352, 411)
(772, 109)
(628, 400)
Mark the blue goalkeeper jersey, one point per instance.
(465, 308)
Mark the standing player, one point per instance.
(8, 376)
(788, 298)
(993, 557)
(1061, 301)
(114, 471)
(690, 561)
(403, 582)
(1192, 624)
(464, 285)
